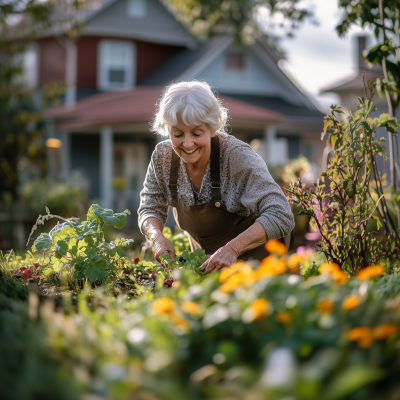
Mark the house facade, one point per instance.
(115, 70)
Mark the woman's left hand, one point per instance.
(223, 257)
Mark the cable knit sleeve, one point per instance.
(259, 193)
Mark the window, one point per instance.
(137, 8)
(116, 65)
(29, 62)
(235, 68)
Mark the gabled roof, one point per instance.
(135, 106)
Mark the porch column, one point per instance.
(71, 73)
(106, 166)
(65, 154)
(277, 149)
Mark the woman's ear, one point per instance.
(212, 132)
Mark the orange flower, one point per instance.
(179, 321)
(362, 335)
(328, 267)
(284, 317)
(233, 283)
(163, 306)
(340, 276)
(294, 262)
(350, 302)
(370, 272)
(275, 247)
(325, 306)
(270, 266)
(190, 307)
(384, 331)
(227, 272)
(260, 308)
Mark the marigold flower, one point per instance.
(163, 306)
(370, 272)
(275, 247)
(284, 317)
(260, 308)
(190, 307)
(339, 276)
(350, 302)
(270, 266)
(362, 335)
(384, 331)
(294, 262)
(233, 283)
(328, 267)
(325, 306)
(227, 272)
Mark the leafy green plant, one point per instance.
(82, 248)
(343, 217)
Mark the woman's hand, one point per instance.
(223, 257)
(163, 246)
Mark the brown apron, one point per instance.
(210, 226)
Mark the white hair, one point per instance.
(194, 103)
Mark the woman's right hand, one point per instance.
(163, 246)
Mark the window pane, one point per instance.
(234, 62)
(116, 76)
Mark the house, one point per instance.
(353, 87)
(116, 69)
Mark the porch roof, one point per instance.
(138, 106)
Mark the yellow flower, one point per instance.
(328, 267)
(284, 317)
(233, 283)
(325, 306)
(227, 272)
(362, 335)
(260, 308)
(350, 302)
(190, 307)
(275, 247)
(384, 331)
(163, 306)
(294, 262)
(370, 272)
(243, 278)
(270, 266)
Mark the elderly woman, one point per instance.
(221, 191)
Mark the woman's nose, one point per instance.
(187, 142)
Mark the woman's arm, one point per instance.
(153, 229)
(251, 238)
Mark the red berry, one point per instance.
(22, 268)
(168, 282)
(26, 273)
(152, 276)
(36, 265)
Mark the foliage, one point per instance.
(62, 198)
(82, 247)
(238, 17)
(343, 217)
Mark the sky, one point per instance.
(316, 58)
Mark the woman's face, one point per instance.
(191, 143)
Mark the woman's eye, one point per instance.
(177, 135)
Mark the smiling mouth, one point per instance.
(189, 152)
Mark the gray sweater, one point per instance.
(247, 187)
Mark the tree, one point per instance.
(242, 18)
(383, 17)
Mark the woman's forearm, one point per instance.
(251, 238)
(152, 228)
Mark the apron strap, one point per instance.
(215, 172)
(173, 179)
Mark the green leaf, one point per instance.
(119, 251)
(91, 274)
(62, 247)
(326, 124)
(43, 242)
(307, 212)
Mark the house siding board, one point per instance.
(85, 156)
(87, 62)
(158, 25)
(52, 61)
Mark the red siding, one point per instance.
(52, 61)
(148, 57)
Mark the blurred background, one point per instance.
(79, 81)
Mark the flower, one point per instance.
(260, 308)
(384, 331)
(22, 268)
(190, 307)
(136, 259)
(163, 306)
(294, 262)
(36, 265)
(370, 272)
(362, 335)
(339, 276)
(350, 302)
(179, 321)
(270, 266)
(233, 283)
(328, 267)
(227, 272)
(274, 246)
(325, 306)
(284, 317)
(26, 273)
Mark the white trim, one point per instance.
(71, 53)
(106, 166)
(102, 71)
